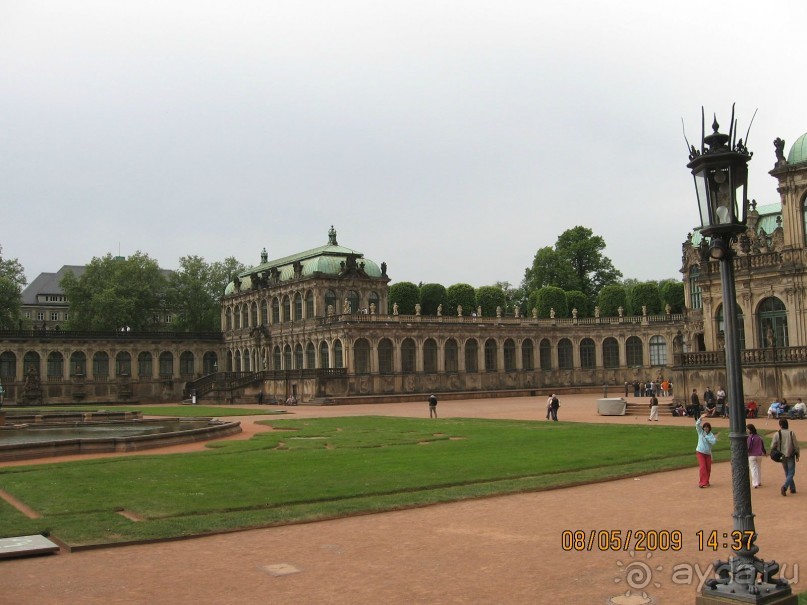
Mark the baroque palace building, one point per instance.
(319, 326)
(771, 283)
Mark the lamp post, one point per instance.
(720, 170)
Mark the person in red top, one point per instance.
(751, 409)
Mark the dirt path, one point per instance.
(504, 550)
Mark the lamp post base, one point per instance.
(770, 594)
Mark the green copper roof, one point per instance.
(768, 215)
(325, 259)
(798, 153)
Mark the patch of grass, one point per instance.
(310, 469)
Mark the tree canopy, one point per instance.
(12, 280)
(490, 297)
(115, 293)
(575, 263)
(461, 294)
(406, 294)
(431, 297)
(195, 289)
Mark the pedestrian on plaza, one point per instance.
(549, 406)
(785, 441)
(722, 407)
(694, 409)
(706, 439)
(432, 406)
(627, 384)
(653, 408)
(555, 406)
(756, 452)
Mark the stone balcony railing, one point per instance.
(749, 357)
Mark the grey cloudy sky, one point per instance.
(450, 139)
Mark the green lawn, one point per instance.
(324, 468)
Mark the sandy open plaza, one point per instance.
(501, 550)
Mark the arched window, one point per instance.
(338, 359)
(694, 288)
(471, 355)
(229, 318)
(55, 365)
(353, 299)
(78, 363)
(361, 356)
(166, 364)
(245, 361)
(237, 360)
(8, 367)
(210, 363)
(30, 361)
(545, 354)
(144, 369)
(373, 299)
(527, 354)
(565, 359)
(237, 317)
(253, 320)
(277, 358)
(658, 351)
(264, 313)
(229, 367)
(451, 354)
(491, 351)
(245, 315)
(610, 353)
(323, 355)
(286, 309)
(287, 358)
(309, 305)
(721, 327)
(186, 361)
(385, 364)
(310, 356)
(408, 355)
(509, 355)
(430, 356)
(298, 307)
(275, 311)
(773, 323)
(123, 364)
(330, 302)
(633, 352)
(588, 360)
(298, 356)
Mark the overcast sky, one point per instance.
(450, 139)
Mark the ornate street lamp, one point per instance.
(720, 169)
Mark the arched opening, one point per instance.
(588, 360)
(430, 356)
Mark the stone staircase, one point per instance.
(641, 407)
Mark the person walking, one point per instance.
(722, 407)
(555, 406)
(785, 441)
(756, 452)
(549, 406)
(653, 408)
(432, 406)
(706, 439)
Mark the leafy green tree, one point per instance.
(461, 294)
(115, 292)
(431, 297)
(194, 292)
(611, 298)
(672, 293)
(490, 297)
(12, 280)
(583, 250)
(548, 298)
(514, 297)
(646, 294)
(406, 294)
(222, 273)
(549, 268)
(575, 299)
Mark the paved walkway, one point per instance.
(504, 550)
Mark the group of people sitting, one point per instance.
(781, 409)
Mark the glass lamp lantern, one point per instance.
(721, 181)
